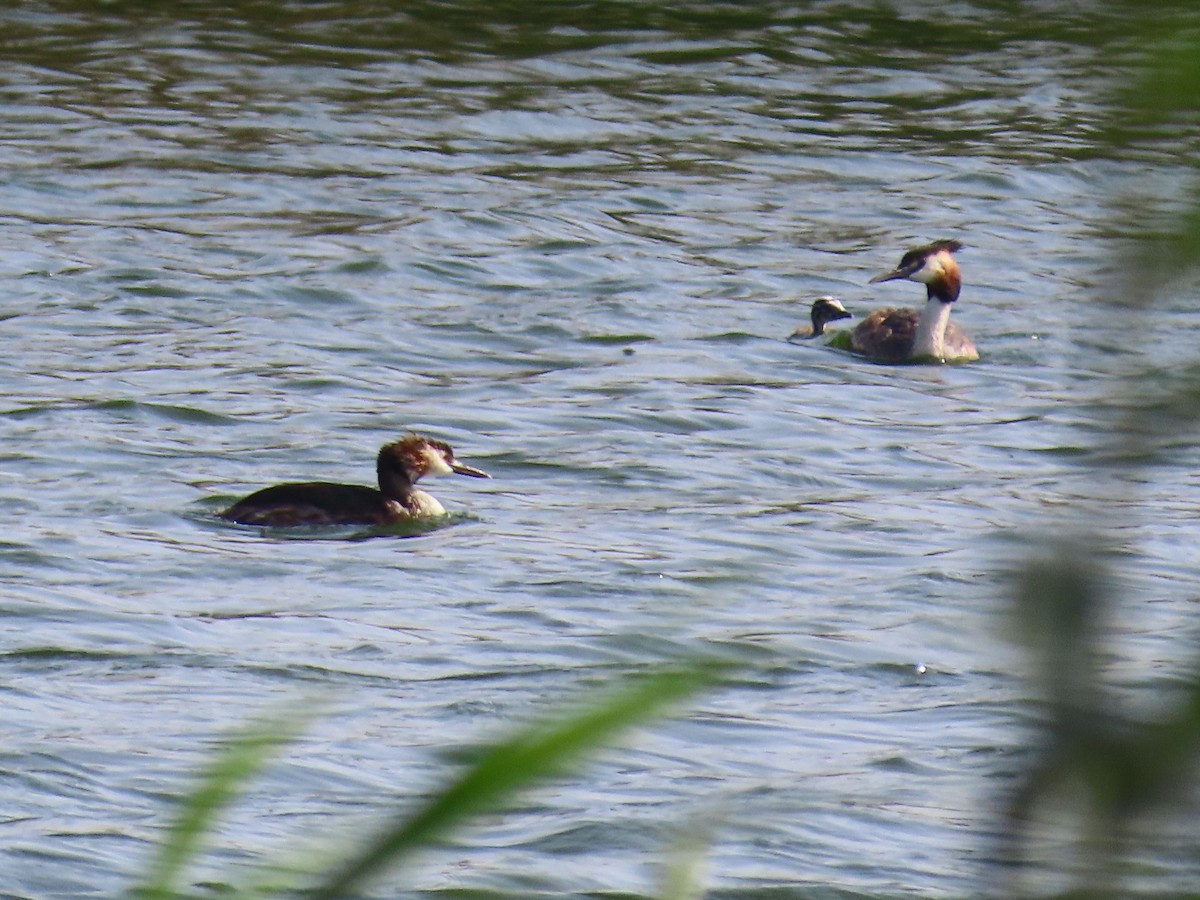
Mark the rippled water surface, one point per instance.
(244, 245)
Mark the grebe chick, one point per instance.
(824, 311)
(399, 464)
(928, 335)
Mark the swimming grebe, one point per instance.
(400, 464)
(906, 335)
(824, 311)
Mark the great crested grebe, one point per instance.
(399, 464)
(928, 335)
(824, 311)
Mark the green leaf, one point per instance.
(246, 752)
(533, 754)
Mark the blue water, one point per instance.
(249, 246)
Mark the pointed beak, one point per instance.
(901, 271)
(460, 469)
(844, 314)
(892, 275)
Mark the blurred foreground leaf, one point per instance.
(247, 751)
(1093, 759)
(534, 754)
(686, 866)
(1101, 768)
(1162, 104)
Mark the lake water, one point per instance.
(250, 244)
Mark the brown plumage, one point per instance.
(888, 335)
(398, 467)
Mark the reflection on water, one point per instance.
(250, 244)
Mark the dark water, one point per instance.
(250, 243)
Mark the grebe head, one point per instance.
(414, 456)
(826, 310)
(933, 265)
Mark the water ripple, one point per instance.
(252, 247)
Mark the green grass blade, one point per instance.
(532, 755)
(687, 864)
(247, 750)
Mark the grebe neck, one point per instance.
(930, 340)
(395, 485)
